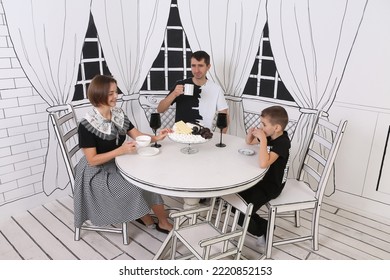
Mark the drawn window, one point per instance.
(264, 80)
(92, 62)
(172, 62)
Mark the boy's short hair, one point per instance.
(199, 55)
(277, 115)
(98, 90)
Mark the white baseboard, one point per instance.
(360, 205)
(20, 206)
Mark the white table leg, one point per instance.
(191, 203)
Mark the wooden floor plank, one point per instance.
(359, 230)
(357, 238)
(7, 251)
(61, 232)
(47, 233)
(53, 247)
(21, 241)
(98, 243)
(331, 237)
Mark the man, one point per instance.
(207, 98)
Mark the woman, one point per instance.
(102, 195)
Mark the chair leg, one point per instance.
(315, 228)
(125, 234)
(173, 247)
(77, 234)
(270, 232)
(297, 218)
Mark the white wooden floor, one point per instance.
(46, 232)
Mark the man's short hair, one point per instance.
(277, 115)
(199, 55)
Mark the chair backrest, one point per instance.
(65, 126)
(229, 209)
(321, 154)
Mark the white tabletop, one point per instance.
(211, 172)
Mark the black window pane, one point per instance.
(91, 70)
(265, 30)
(144, 85)
(158, 80)
(283, 93)
(267, 49)
(90, 50)
(159, 61)
(255, 67)
(106, 71)
(268, 68)
(79, 74)
(175, 38)
(78, 93)
(267, 88)
(175, 59)
(174, 18)
(91, 31)
(173, 77)
(251, 87)
(187, 43)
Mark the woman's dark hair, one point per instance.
(98, 90)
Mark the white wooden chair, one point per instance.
(307, 190)
(218, 235)
(65, 126)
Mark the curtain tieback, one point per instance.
(233, 98)
(308, 111)
(129, 97)
(57, 108)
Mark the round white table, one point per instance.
(210, 172)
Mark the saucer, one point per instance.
(246, 152)
(148, 151)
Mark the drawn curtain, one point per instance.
(131, 33)
(48, 44)
(230, 31)
(311, 42)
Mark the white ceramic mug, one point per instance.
(188, 89)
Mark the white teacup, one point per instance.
(188, 89)
(143, 140)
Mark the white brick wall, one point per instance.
(23, 129)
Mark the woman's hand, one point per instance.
(128, 147)
(163, 133)
(95, 159)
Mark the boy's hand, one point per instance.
(249, 136)
(259, 134)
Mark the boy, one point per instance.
(274, 153)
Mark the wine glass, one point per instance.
(221, 124)
(155, 123)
